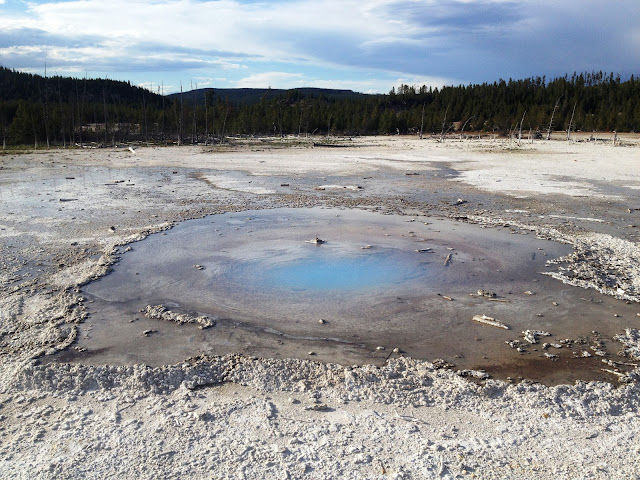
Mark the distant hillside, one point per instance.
(251, 96)
(16, 85)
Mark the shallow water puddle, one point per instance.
(376, 281)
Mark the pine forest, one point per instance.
(42, 111)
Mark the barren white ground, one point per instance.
(238, 417)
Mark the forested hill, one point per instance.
(251, 96)
(58, 110)
(16, 85)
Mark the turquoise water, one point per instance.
(325, 271)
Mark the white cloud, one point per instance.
(380, 84)
(271, 79)
(383, 39)
(195, 82)
(272, 31)
(363, 86)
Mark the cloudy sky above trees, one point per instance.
(364, 45)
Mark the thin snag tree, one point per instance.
(571, 121)
(520, 129)
(552, 115)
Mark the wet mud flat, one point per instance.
(351, 286)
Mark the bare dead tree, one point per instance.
(279, 116)
(117, 130)
(176, 114)
(104, 103)
(571, 121)
(464, 125)
(72, 113)
(552, 115)
(181, 116)
(62, 118)
(422, 122)
(213, 117)
(206, 119)
(194, 137)
(81, 119)
(45, 106)
(444, 123)
(144, 115)
(153, 123)
(224, 122)
(300, 120)
(162, 127)
(520, 129)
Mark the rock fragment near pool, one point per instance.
(160, 312)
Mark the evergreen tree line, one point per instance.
(37, 110)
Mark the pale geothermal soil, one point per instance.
(67, 217)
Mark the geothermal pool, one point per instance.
(375, 283)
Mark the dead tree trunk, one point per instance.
(63, 120)
(46, 99)
(72, 112)
(520, 129)
(162, 126)
(194, 138)
(444, 122)
(117, 128)
(280, 116)
(206, 119)
(552, 115)
(224, 123)
(104, 104)
(181, 117)
(422, 122)
(300, 120)
(465, 124)
(81, 119)
(213, 118)
(571, 121)
(144, 116)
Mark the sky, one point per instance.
(367, 46)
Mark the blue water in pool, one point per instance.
(325, 271)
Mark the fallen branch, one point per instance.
(489, 321)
